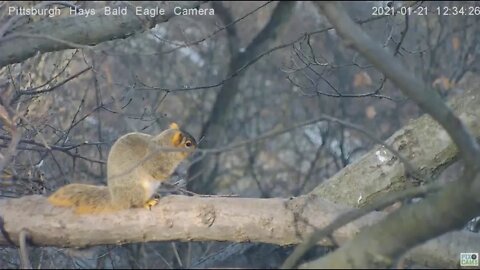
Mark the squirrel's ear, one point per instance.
(177, 138)
(174, 125)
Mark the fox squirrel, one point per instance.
(135, 169)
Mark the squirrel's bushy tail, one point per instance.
(86, 199)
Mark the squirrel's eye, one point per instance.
(188, 144)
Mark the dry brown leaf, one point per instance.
(362, 79)
(455, 43)
(442, 82)
(370, 112)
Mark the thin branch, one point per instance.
(402, 38)
(189, 44)
(258, 57)
(252, 61)
(70, 44)
(66, 152)
(22, 240)
(408, 166)
(177, 256)
(54, 147)
(55, 76)
(32, 92)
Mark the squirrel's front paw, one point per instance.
(152, 202)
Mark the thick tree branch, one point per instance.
(277, 221)
(27, 40)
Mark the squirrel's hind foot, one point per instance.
(152, 202)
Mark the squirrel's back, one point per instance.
(126, 154)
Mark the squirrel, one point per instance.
(135, 169)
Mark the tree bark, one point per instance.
(276, 221)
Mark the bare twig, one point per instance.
(402, 38)
(15, 18)
(189, 44)
(22, 241)
(177, 256)
(53, 147)
(252, 61)
(260, 56)
(66, 152)
(20, 93)
(70, 44)
(408, 166)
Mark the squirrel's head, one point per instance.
(177, 138)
